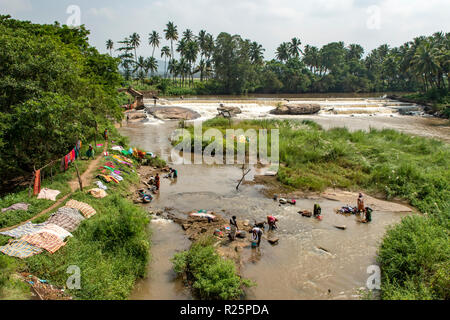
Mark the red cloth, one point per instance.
(37, 182)
(66, 162)
(73, 154)
(271, 219)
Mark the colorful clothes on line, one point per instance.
(17, 206)
(48, 194)
(73, 155)
(85, 209)
(23, 230)
(66, 163)
(20, 249)
(37, 182)
(45, 240)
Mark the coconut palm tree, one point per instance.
(154, 40)
(191, 52)
(188, 35)
(135, 41)
(171, 33)
(139, 69)
(151, 64)
(173, 68)
(126, 57)
(165, 52)
(256, 53)
(282, 53)
(294, 47)
(110, 46)
(426, 64)
(201, 39)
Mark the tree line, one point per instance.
(54, 89)
(230, 64)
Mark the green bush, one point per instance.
(415, 260)
(213, 277)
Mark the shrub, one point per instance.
(213, 277)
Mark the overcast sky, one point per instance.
(269, 22)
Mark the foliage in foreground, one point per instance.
(212, 276)
(415, 259)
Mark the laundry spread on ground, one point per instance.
(20, 231)
(101, 185)
(67, 218)
(17, 206)
(20, 249)
(84, 208)
(56, 230)
(48, 194)
(45, 240)
(98, 193)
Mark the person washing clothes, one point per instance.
(256, 236)
(233, 227)
(272, 222)
(174, 173)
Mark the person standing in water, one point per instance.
(233, 227)
(272, 222)
(360, 205)
(157, 181)
(256, 236)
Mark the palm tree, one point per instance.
(191, 52)
(171, 33)
(426, 63)
(135, 41)
(110, 46)
(294, 47)
(283, 52)
(181, 47)
(256, 53)
(154, 40)
(188, 35)
(151, 64)
(201, 39)
(140, 69)
(165, 52)
(172, 68)
(355, 51)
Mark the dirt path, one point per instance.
(86, 178)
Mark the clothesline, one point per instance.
(65, 160)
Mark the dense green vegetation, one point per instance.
(439, 99)
(229, 64)
(54, 89)
(415, 259)
(414, 255)
(212, 276)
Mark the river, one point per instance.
(296, 268)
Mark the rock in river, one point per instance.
(296, 109)
(228, 111)
(173, 113)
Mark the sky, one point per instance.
(369, 23)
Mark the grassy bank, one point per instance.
(384, 162)
(111, 248)
(211, 276)
(414, 255)
(438, 99)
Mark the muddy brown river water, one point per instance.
(295, 268)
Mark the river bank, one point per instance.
(111, 249)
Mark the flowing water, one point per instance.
(294, 269)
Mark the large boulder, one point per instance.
(225, 111)
(296, 109)
(173, 113)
